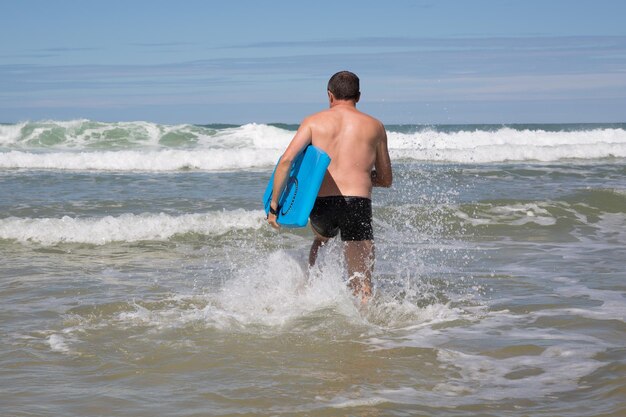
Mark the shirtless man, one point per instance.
(357, 146)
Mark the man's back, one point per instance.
(356, 143)
(351, 139)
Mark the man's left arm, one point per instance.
(382, 176)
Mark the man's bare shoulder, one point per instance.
(370, 120)
(318, 120)
(374, 123)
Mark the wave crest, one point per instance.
(89, 145)
(127, 227)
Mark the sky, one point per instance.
(240, 61)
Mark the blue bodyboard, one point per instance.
(303, 183)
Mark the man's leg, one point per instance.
(318, 242)
(360, 259)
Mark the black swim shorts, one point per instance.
(350, 215)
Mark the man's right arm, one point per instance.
(382, 175)
(301, 139)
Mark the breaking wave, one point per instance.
(145, 146)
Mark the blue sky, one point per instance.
(420, 62)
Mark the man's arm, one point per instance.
(301, 139)
(382, 175)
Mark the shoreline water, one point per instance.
(138, 289)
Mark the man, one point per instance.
(357, 146)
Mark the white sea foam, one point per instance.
(557, 369)
(162, 160)
(263, 296)
(513, 215)
(475, 374)
(88, 145)
(508, 144)
(278, 292)
(83, 133)
(472, 376)
(259, 136)
(10, 134)
(58, 343)
(343, 402)
(127, 227)
(613, 305)
(471, 139)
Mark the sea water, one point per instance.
(139, 278)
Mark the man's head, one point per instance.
(344, 85)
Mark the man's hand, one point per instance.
(271, 218)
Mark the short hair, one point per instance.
(344, 85)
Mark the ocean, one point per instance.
(139, 277)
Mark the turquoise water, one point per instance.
(139, 277)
